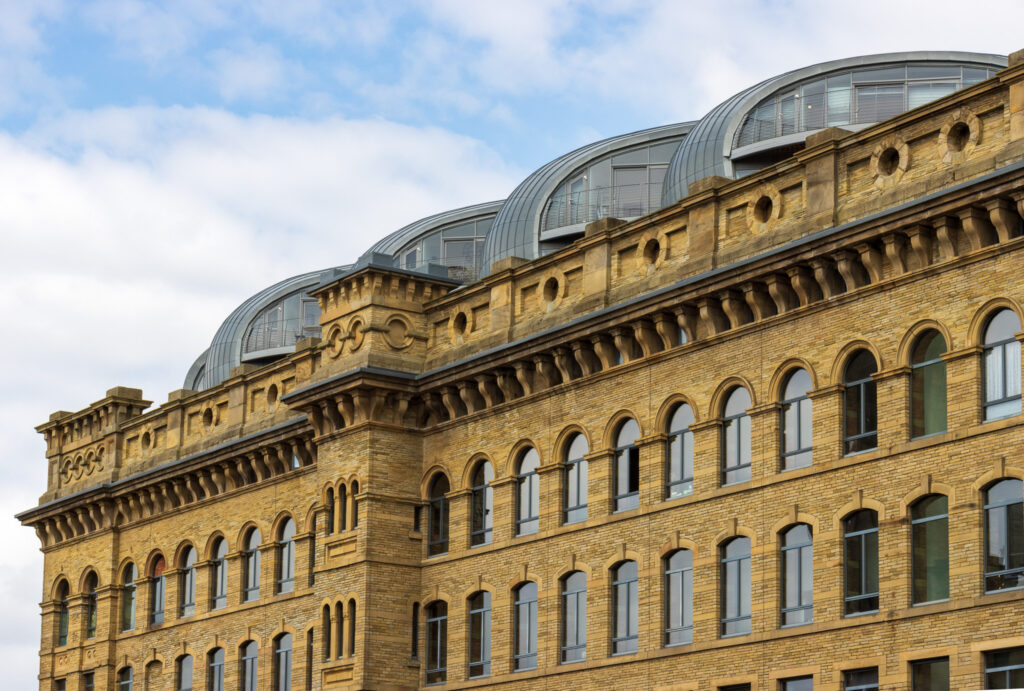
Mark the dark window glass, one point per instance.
(91, 608)
(525, 631)
(735, 687)
(627, 467)
(1004, 535)
(286, 557)
(355, 505)
(60, 685)
(1002, 366)
(249, 666)
(124, 679)
(928, 386)
(797, 576)
(329, 517)
(215, 677)
(283, 662)
(930, 675)
(860, 557)
(860, 406)
(483, 505)
(62, 614)
(437, 529)
(480, 634)
(157, 592)
(339, 630)
(625, 608)
(574, 617)
(930, 549)
(219, 575)
(796, 421)
(1004, 669)
(679, 454)
(574, 498)
(861, 679)
(128, 589)
(88, 682)
(325, 624)
(736, 438)
(797, 684)
(528, 493)
(679, 597)
(351, 628)
(187, 584)
(437, 642)
(736, 587)
(342, 508)
(251, 567)
(414, 650)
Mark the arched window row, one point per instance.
(245, 660)
(341, 508)
(338, 624)
(928, 563)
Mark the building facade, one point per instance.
(724, 405)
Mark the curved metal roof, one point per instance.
(706, 150)
(516, 229)
(417, 229)
(225, 352)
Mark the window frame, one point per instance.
(480, 625)
(863, 386)
(286, 557)
(626, 470)
(919, 664)
(579, 468)
(1004, 507)
(918, 371)
(187, 583)
(91, 605)
(805, 448)
(63, 613)
(625, 639)
(863, 685)
(1005, 669)
(482, 505)
(251, 559)
(215, 669)
(860, 535)
(684, 597)
(916, 521)
(741, 587)
(804, 553)
(158, 591)
(248, 666)
(438, 514)
(733, 426)
(527, 522)
(437, 642)
(525, 613)
(991, 347)
(219, 575)
(129, 596)
(681, 438)
(576, 627)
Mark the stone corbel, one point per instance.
(895, 252)
(346, 410)
(470, 396)
(1004, 219)
(452, 402)
(647, 336)
(399, 407)
(565, 363)
(712, 318)
(804, 285)
(977, 228)
(782, 292)
(547, 374)
(872, 260)
(829, 281)
(508, 382)
(920, 237)
(735, 307)
(667, 330)
(524, 375)
(489, 390)
(688, 317)
(850, 268)
(585, 358)
(623, 339)
(436, 411)
(760, 303)
(605, 350)
(946, 229)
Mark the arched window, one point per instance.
(158, 591)
(1002, 366)
(627, 467)
(128, 591)
(286, 557)
(574, 498)
(929, 538)
(483, 505)
(525, 627)
(1004, 535)
(437, 531)
(528, 493)
(124, 679)
(342, 507)
(63, 591)
(480, 634)
(283, 662)
(339, 629)
(736, 587)
(329, 528)
(183, 673)
(679, 453)
(355, 505)
(251, 566)
(795, 420)
(414, 649)
(797, 575)
(91, 608)
(215, 670)
(325, 624)
(860, 558)
(248, 667)
(574, 617)
(860, 405)
(187, 583)
(928, 385)
(219, 574)
(679, 597)
(736, 437)
(437, 642)
(625, 608)
(351, 628)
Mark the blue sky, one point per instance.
(162, 161)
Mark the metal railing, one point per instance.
(280, 334)
(584, 206)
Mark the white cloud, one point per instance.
(129, 234)
(254, 72)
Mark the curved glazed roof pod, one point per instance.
(708, 148)
(516, 229)
(225, 352)
(417, 229)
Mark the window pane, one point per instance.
(930, 675)
(930, 567)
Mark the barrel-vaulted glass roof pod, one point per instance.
(454, 239)
(770, 121)
(264, 327)
(620, 177)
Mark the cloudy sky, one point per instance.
(161, 161)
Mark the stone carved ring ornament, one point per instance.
(764, 207)
(651, 251)
(398, 332)
(460, 324)
(959, 136)
(553, 288)
(889, 161)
